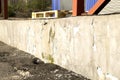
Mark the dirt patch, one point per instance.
(19, 65)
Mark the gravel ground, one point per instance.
(19, 65)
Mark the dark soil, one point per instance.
(19, 65)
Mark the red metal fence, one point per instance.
(78, 7)
(4, 9)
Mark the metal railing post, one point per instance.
(0, 7)
(78, 7)
(5, 9)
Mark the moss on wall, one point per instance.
(48, 57)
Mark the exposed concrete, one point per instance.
(80, 44)
(66, 4)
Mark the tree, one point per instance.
(21, 8)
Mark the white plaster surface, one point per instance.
(80, 44)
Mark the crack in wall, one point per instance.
(93, 32)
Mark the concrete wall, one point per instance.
(66, 4)
(80, 44)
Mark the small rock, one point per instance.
(36, 60)
(56, 70)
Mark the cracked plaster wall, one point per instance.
(80, 44)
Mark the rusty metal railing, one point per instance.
(79, 7)
(4, 8)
